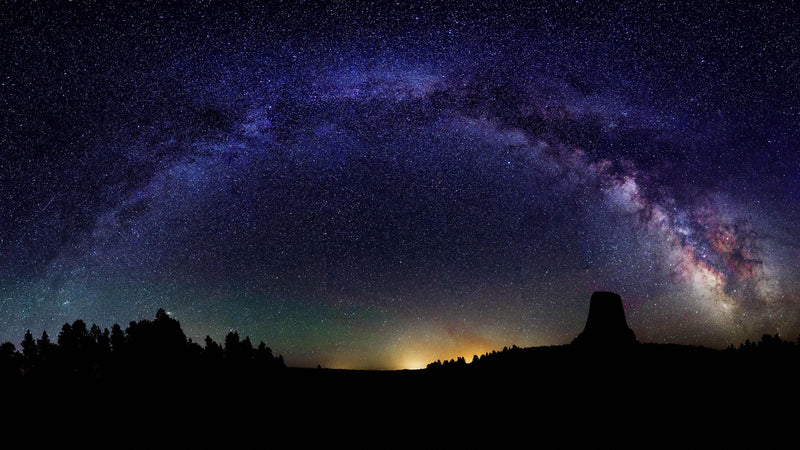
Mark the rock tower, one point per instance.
(606, 325)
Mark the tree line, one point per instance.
(769, 346)
(156, 346)
(461, 362)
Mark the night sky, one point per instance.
(384, 186)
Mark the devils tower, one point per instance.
(606, 325)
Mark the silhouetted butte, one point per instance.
(606, 325)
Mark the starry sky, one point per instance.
(383, 186)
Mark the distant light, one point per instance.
(414, 365)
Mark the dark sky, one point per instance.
(384, 186)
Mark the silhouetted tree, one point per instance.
(46, 348)
(232, 350)
(29, 348)
(75, 347)
(263, 352)
(73, 338)
(168, 333)
(213, 352)
(246, 348)
(65, 335)
(99, 344)
(158, 345)
(7, 350)
(9, 361)
(139, 337)
(117, 338)
(194, 351)
(265, 357)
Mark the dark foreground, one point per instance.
(559, 397)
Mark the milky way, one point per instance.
(387, 186)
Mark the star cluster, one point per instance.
(384, 186)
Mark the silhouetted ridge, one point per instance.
(606, 325)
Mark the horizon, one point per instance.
(404, 361)
(385, 186)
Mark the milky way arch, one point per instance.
(401, 200)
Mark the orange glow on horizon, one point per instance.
(419, 359)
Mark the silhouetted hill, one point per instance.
(149, 387)
(645, 396)
(607, 389)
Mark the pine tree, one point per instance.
(44, 344)
(232, 345)
(29, 348)
(117, 338)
